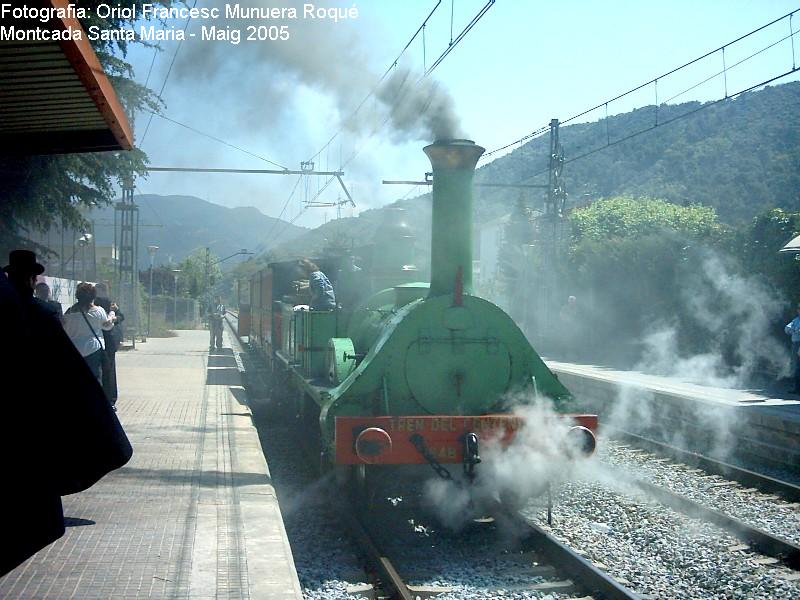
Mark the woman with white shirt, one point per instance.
(84, 323)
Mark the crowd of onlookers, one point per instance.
(93, 323)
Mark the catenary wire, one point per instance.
(667, 122)
(221, 141)
(169, 72)
(652, 81)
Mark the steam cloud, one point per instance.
(734, 309)
(730, 307)
(541, 453)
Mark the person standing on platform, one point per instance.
(793, 329)
(69, 441)
(215, 316)
(84, 323)
(112, 340)
(42, 293)
(22, 271)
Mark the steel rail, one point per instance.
(758, 539)
(390, 579)
(571, 564)
(717, 467)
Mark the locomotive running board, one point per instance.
(387, 440)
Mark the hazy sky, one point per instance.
(522, 64)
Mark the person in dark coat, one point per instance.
(42, 293)
(51, 445)
(30, 496)
(112, 340)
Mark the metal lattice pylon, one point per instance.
(126, 241)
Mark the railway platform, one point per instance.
(193, 514)
(756, 425)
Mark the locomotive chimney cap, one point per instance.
(453, 154)
(450, 141)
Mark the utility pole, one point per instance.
(207, 281)
(553, 230)
(151, 250)
(175, 300)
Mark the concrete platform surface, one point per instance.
(755, 425)
(676, 387)
(193, 515)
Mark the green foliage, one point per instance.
(626, 217)
(163, 280)
(199, 274)
(632, 256)
(757, 246)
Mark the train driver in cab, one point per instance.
(319, 286)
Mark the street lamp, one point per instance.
(175, 300)
(83, 241)
(151, 250)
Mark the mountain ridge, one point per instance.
(179, 224)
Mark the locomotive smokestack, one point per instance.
(453, 163)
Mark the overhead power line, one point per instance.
(464, 32)
(283, 210)
(654, 81)
(678, 117)
(216, 139)
(403, 91)
(375, 88)
(169, 72)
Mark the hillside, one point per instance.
(740, 156)
(180, 224)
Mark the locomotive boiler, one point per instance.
(415, 372)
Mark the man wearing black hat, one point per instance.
(22, 270)
(63, 444)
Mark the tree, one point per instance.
(38, 192)
(517, 233)
(758, 245)
(200, 271)
(632, 257)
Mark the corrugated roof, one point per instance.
(55, 97)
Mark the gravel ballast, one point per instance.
(762, 510)
(655, 550)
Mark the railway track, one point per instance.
(757, 539)
(710, 465)
(537, 564)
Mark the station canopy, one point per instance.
(54, 95)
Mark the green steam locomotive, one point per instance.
(404, 372)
